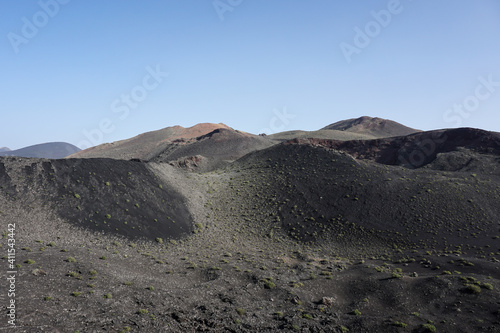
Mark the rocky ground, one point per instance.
(294, 238)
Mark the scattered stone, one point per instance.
(38, 272)
(327, 301)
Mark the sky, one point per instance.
(88, 72)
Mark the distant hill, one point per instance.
(213, 149)
(53, 150)
(203, 146)
(145, 146)
(4, 149)
(376, 127)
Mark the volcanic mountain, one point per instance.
(147, 145)
(203, 146)
(376, 127)
(45, 150)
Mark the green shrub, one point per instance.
(488, 286)
(71, 259)
(472, 288)
(108, 296)
(269, 285)
(143, 311)
(356, 312)
(29, 262)
(241, 311)
(76, 293)
(73, 274)
(399, 324)
(429, 328)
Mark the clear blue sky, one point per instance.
(241, 63)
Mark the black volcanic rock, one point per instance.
(53, 150)
(104, 195)
(418, 149)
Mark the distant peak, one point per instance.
(377, 127)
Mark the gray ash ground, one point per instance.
(292, 238)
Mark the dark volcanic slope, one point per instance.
(45, 150)
(213, 149)
(420, 149)
(112, 196)
(377, 127)
(319, 195)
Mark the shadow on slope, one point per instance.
(105, 195)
